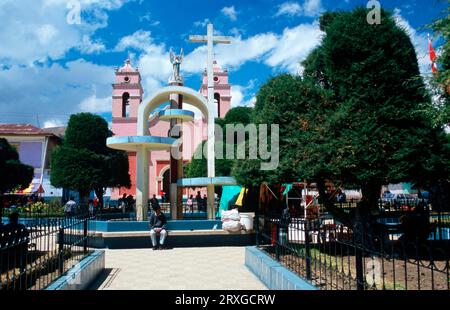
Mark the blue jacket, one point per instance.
(158, 221)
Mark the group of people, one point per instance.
(201, 202)
(72, 207)
(127, 202)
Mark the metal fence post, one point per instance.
(257, 230)
(61, 250)
(307, 251)
(85, 239)
(359, 268)
(277, 241)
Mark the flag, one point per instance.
(432, 56)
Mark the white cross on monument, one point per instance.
(210, 39)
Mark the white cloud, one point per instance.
(312, 7)
(308, 8)
(233, 55)
(294, 46)
(420, 42)
(96, 105)
(289, 9)
(147, 17)
(230, 12)
(45, 33)
(140, 40)
(53, 123)
(36, 30)
(284, 51)
(53, 92)
(202, 23)
(91, 47)
(239, 93)
(237, 96)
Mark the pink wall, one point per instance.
(194, 132)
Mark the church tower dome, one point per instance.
(127, 92)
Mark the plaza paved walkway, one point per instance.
(212, 268)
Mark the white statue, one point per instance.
(176, 61)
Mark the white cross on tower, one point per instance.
(210, 39)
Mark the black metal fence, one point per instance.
(327, 254)
(35, 251)
(193, 212)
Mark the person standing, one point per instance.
(204, 202)
(95, 202)
(190, 203)
(158, 227)
(154, 202)
(70, 207)
(199, 201)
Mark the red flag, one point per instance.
(434, 68)
(433, 57)
(432, 52)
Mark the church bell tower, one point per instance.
(222, 89)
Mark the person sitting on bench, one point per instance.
(158, 226)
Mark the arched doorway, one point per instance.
(217, 102)
(166, 184)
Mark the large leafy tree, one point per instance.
(293, 103)
(13, 174)
(84, 162)
(355, 117)
(377, 132)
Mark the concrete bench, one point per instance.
(172, 233)
(176, 238)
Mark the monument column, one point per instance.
(210, 40)
(142, 167)
(176, 163)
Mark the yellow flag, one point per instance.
(241, 197)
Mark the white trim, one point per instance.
(19, 139)
(43, 159)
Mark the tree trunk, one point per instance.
(1, 209)
(99, 192)
(84, 200)
(363, 228)
(329, 205)
(252, 199)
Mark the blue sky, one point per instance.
(50, 68)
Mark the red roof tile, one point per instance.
(22, 129)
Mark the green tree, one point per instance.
(441, 80)
(238, 115)
(291, 102)
(377, 132)
(13, 174)
(84, 162)
(198, 167)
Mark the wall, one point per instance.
(30, 153)
(274, 275)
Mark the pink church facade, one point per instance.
(128, 95)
